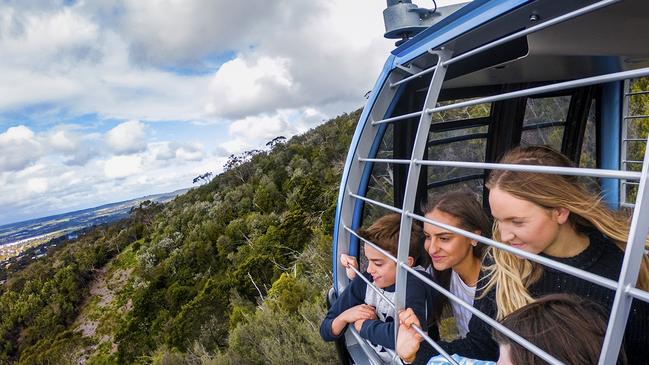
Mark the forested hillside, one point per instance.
(232, 272)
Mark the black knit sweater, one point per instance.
(601, 257)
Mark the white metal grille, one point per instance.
(639, 228)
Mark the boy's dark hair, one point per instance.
(384, 233)
(551, 324)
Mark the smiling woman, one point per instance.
(456, 259)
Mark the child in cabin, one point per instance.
(557, 217)
(361, 306)
(550, 323)
(456, 260)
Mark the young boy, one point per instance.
(359, 305)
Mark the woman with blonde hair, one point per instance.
(557, 217)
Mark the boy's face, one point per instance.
(382, 269)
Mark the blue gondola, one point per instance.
(479, 78)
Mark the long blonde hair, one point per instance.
(512, 275)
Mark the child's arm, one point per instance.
(332, 327)
(382, 333)
(358, 313)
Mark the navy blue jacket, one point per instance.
(419, 296)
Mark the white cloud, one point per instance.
(37, 185)
(245, 71)
(127, 137)
(251, 85)
(18, 148)
(122, 166)
(62, 34)
(119, 59)
(17, 134)
(190, 152)
(236, 145)
(64, 141)
(261, 127)
(161, 151)
(184, 32)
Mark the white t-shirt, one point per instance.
(466, 293)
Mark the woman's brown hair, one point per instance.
(463, 205)
(567, 327)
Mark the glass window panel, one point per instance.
(551, 136)
(588, 148)
(380, 186)
(472, 150)
(636, 128)
(469, 112)
(544, 110)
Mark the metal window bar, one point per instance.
(398, 118)
(453, 125)
(634, 252)
(638, 294)
(524, 32)
(636, 117)
(623, 150)
(543, 125)
(464, 137)
(372, 356)
(555, 170)
(454, 180)
(495, 324)
(643, 92)
(616, 76)
(412, 178)
(382, 205)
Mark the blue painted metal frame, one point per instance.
(367, 172)
(362, 123)
(611, 125)
(466, 18)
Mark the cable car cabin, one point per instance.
(492, 75)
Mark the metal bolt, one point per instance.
(534, 17)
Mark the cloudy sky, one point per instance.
(107, 100)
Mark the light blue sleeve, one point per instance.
(441, 360)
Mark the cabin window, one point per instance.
(380, 185)
(457, 135)
(637, 129)
(544, 121)
(588, 144)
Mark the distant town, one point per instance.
(29, 240)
